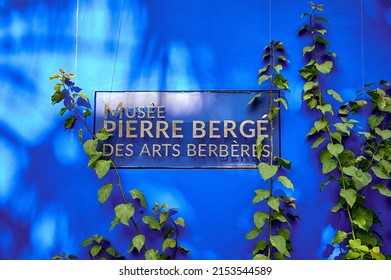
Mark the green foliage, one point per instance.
(353, 171)
(276, 244)
(77, 109)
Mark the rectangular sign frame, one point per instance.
(164, 129)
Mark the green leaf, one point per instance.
(262, 79)
(83, 95)
(282, 101)
(318, 141)
(321, 40)
(260, 195)
(95, 250)
(137, 194)
(168, 243)
(283, 162)
(63, 110)
(320, 124)
(260, 257)
(253, 233)
(309, 85)
(87, 241)
(255, 97)
(309, 72)
(114, 222)
(331, 179)
(382, 189)
(94, 158)
(259, 146)
(124, 212)
(184, 250)
(273, 112)
(57, 97)
(281, 82)
(102, 167)
(152, 254)
(339, 237)
(350, 196)
(260, 246)
(138, 241)
(90, 146)
(326, 108)
(335, 95)
(312, 132)
(103, 134)
(375, 121)
(328, 166)
(267, 171)
(279, 243)
(321, 31)
(278, 68)
(152, 222)
(264, 69)
(273, 203)
(260, 219)
(385, 134)
(180, 221)
(80, 134)
(380, 172)
(335, 149)
(347, 158)
(69, 122)
(87, 113)
(325, 67)
(285, 181)
(104, 193)
(362, 218)
(307, 49)
(54, 76)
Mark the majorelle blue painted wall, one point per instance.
(48, 197)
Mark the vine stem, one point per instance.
(118, 177)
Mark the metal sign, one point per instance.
(185, 129)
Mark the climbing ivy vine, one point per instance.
(77, 109)
(336, 133)
(275, 221)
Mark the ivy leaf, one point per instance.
(320, 124)
(95, 250)
(349, 195)
(260, 195)
(262, 79)
(278, 68)
(375, 121)
(382, 189)
(347, 158)
(281, 82)
(318, 141)
(124, 212)
(69, 122)
(152, 254)
(282, 101)
(184, 250)
(385, 134)
(168, 243)
(335, 95)
(104, 193)
(260, 257)
(325, 67)
(260, 219)
(309, 85)
(308, 72)
(138, 242)
(335, 149)
(321, 40)
(326, 108)
(362, 218)
(253, 233)
(103, 134)
(57, 97)
(267, 171)
(328, 166)
(90, 146)
(273, 203)
(339, 237)
(259, 247)
(285, 181)
(279, 243)
(283, 162)
(380, 172)
(307, 49)
(102, 167)
(152, 222)
(255, 97)
(87, 241)
(94, 158)
(180, 221)
(137, 194)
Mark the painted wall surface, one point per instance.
(47, 194)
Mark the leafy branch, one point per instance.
(76, 104)
(277, 243)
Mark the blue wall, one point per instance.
(48, 197)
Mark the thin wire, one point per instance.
(116, 49)
(77, 35)
(362, 45)
(270, 20)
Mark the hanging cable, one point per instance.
(117, 45)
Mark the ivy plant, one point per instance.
(352, 171)
(77, 109)
(275, 243)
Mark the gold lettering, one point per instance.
(191, 152)
(260, 128)
(176, 150)
(251, 130)
(130, 128)
(160, 112)
(230, 128)
(105, 153)
(107, 123)
(161, 128)
(113, 113)
(212, 150)
(145, 150)
(156, 150)
(146, 127)
(213, 129)
(176, 129)
(129, 148)
(118, 149)
(199, 126)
